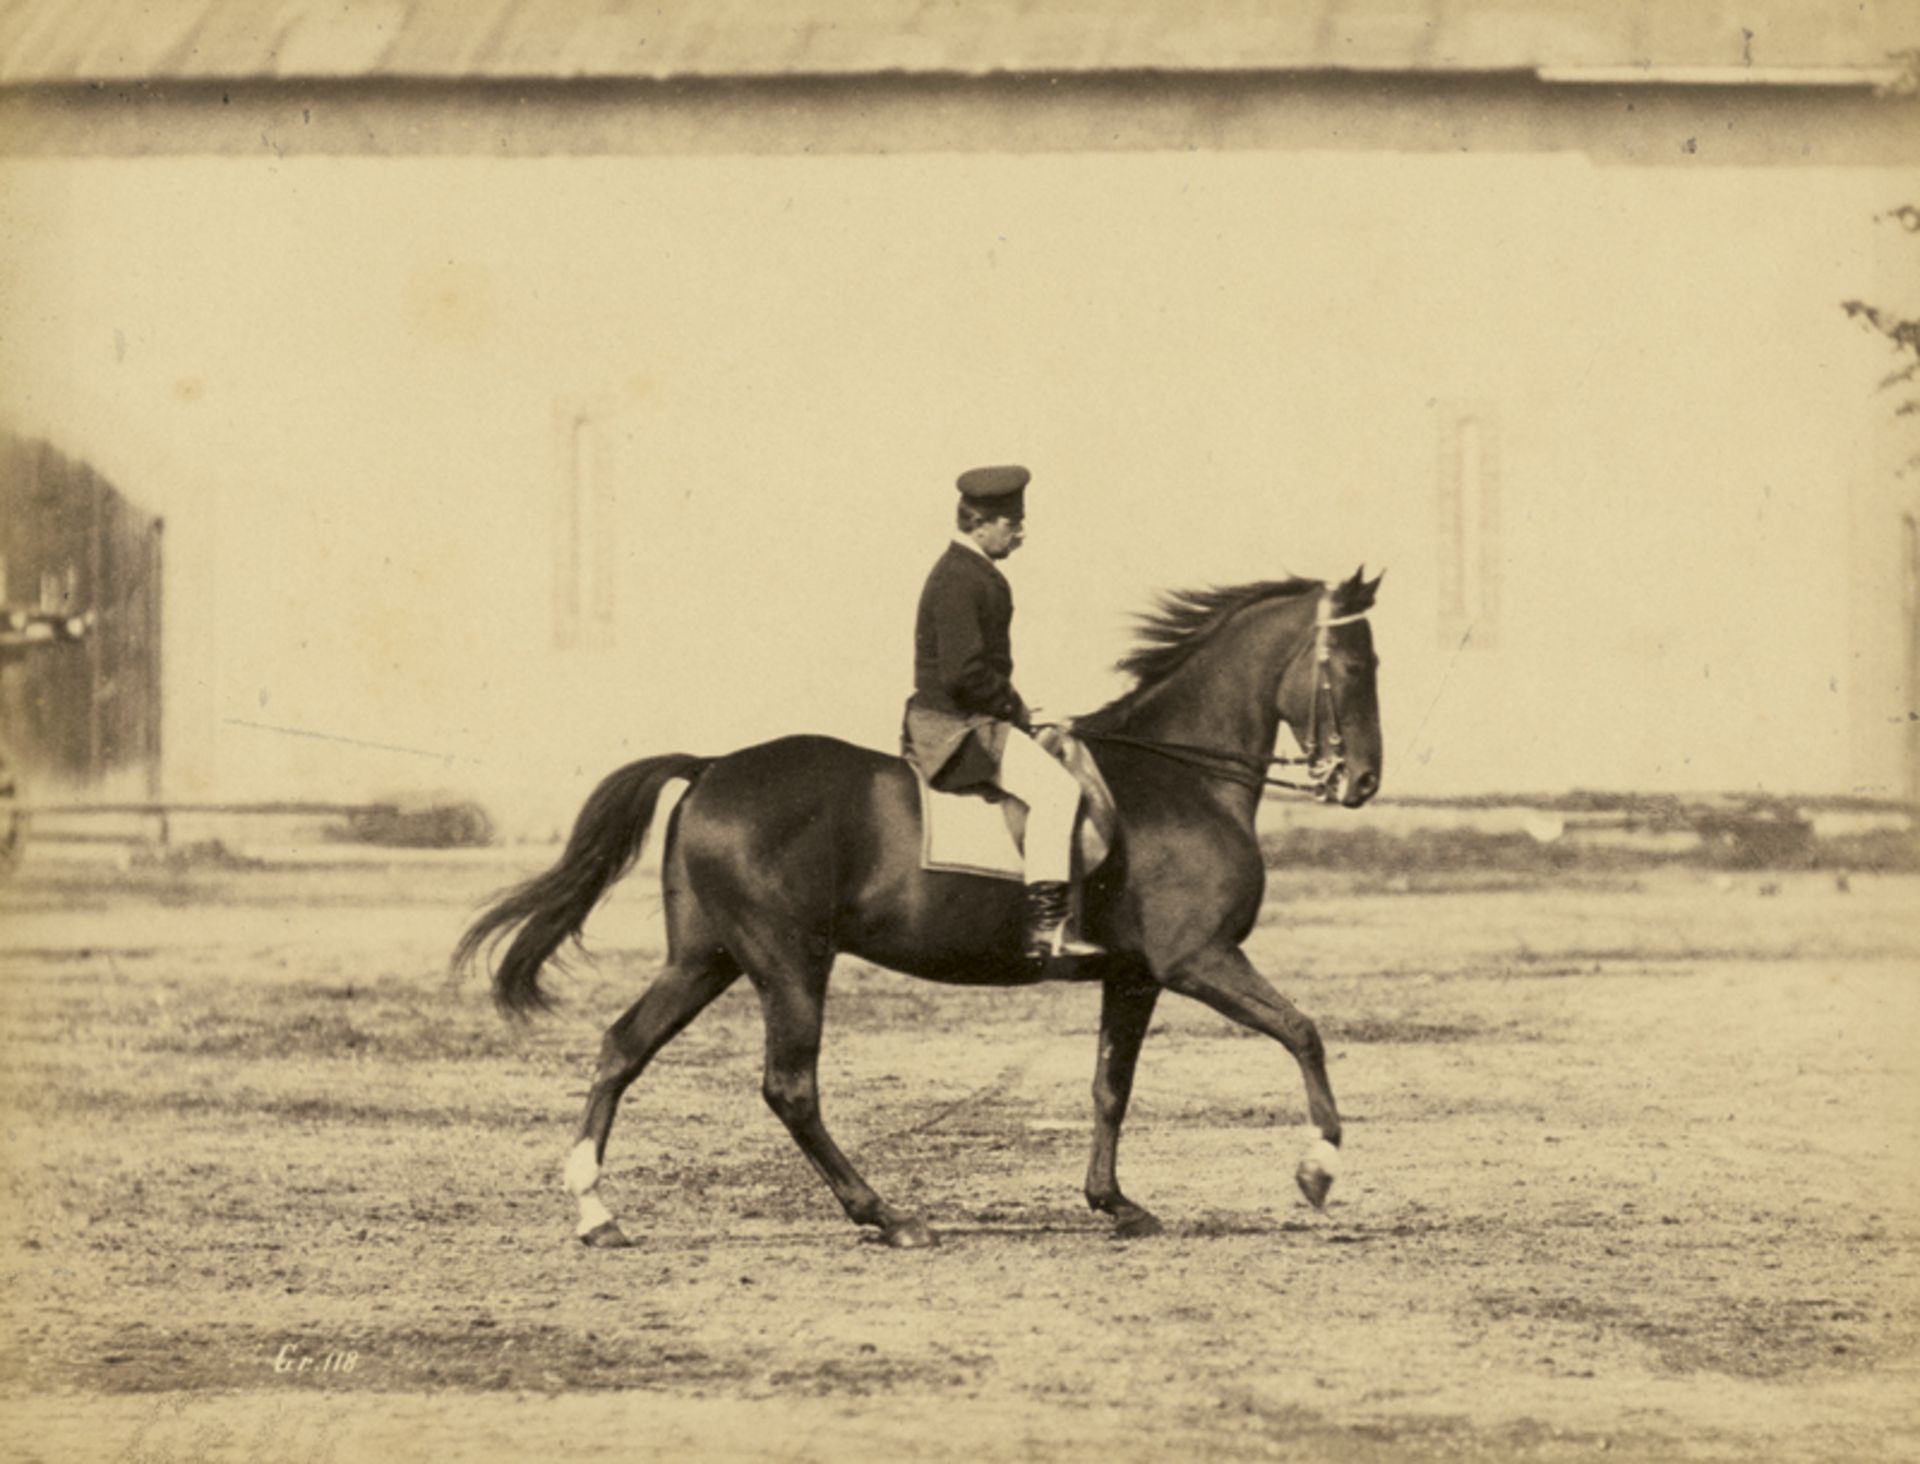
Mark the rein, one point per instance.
(1252, 772)
(1248, 772)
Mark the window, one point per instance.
(585, 528)
(1469, 536)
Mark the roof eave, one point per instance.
(1888, 79)
(1874, 78)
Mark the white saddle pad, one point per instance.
(963, 833)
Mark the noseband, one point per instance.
(1324, 768)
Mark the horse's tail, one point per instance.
(551, 908)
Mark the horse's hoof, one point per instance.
(1136, 1224)
(1314, 1183)
(607, 1235)
(909, 1235)
(1317, 1168)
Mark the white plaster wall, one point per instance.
(338, 379)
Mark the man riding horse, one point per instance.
(966, 726)
(780, 858)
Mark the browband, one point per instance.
(1324, 621)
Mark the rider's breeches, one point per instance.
(1052, 796)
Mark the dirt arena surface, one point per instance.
(1630, 1171)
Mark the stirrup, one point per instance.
(1049, 902)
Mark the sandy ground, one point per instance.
(1630, 1171)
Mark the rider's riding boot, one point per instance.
(1048, 905)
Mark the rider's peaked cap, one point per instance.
(997, 490)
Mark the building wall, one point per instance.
(368, 375)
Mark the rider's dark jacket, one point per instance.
(963, 696)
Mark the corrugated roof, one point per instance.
(59, 41)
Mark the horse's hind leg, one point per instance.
(1126, 1007)
(793, 1000)
(678, 995)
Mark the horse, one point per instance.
(780, 856)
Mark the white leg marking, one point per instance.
(583, 1169)
(1322, 1156)
(593, 1214)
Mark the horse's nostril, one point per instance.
(1365, 785)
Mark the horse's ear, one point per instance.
(1355, 595)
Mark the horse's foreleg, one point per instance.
(1225, 980)
(1126, 1007)
(793, 1002)
(678, 995)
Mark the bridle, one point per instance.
(1325, 770)
(1324, 764)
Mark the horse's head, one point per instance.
(1328, 698)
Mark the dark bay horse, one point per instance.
(781, 856)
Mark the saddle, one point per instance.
(983, 830)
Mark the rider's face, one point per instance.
(1001, 536)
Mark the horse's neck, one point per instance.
(1226, 695)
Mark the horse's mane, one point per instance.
(1183, 622)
